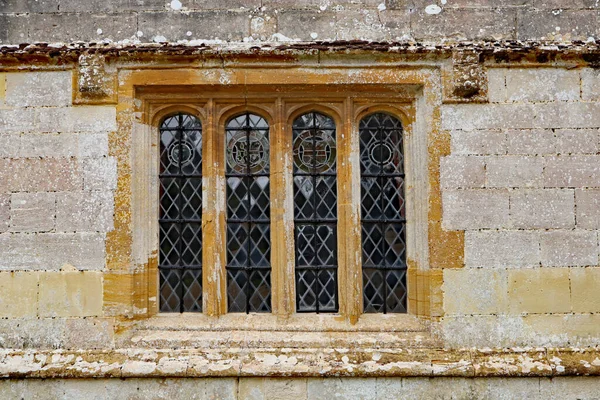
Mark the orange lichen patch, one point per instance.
(446, 248)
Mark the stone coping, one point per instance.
(291, 362)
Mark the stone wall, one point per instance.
(23, 21)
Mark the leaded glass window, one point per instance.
(383, 220)
(180, 216)
(315, 213)
(248, 214)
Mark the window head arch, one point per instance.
(180, 215)
(315, 212)
(248, 214)
(383, 220)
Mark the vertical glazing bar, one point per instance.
(248, 217)
(282, 216)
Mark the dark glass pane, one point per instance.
(382, 214)
(315, 212)
(180, 226)
(248, 214)
(169, 290)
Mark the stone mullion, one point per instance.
(282, 216)
(214, 279)
(349, 251)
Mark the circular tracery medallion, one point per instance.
(314, 151)
(183, 153)
(248, 153)
(381, 153)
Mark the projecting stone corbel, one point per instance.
(96, 80)
(465, 79)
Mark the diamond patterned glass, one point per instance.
(180, 220)
(248, 215)
(315, 213)
(383, 214)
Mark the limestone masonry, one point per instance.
(500, 106)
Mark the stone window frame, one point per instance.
(146, 95)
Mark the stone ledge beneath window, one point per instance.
(289, 362)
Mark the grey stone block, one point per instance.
(29, 89)
(86, 211)
(502, 249)
(32, 212)
(307, 25)
(543, 24)
(542, 208)
(173, 26)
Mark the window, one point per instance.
(287, 207)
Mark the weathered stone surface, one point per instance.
(29, 89)
(590, 84)
(539, 290)
(458, 172)
(475, 209)
(32, 212)
(40, 174)
(572, 171)
(578, 141)
(173, 26)
(542, 208)
(70, 294)
(553, 25)
(475, 291)
(531, 141)
(12, 120)
(50, 251)
(293, 24)
(77, 119)
(587, 203)
(495, 249)
(542, 84)
(99, 173)
(514, 171)
(4, 212)
(46, 145)
(18, 294)
(84, 211)
(569, 248)
(584, 296)
(478, 142)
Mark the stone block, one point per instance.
(89, 333)
(32, 212)
(40, 174)
(577, 141)
(539, 290)
(572, 171)
(26, 6)
(48, 145)
(13, 29)
(85, 211)
(458, 172)
(514, 171)
(463, 331)
(211, 25)
(51, 251)
(569, 248)
(542, 25)
(70, 294)
(77, 119)
(531, 141)
(585, 296)
(478, 142)
(463, 24)
(87, 27)
(497, 85)
(474, 291)
(307, 25)
(573, 387)
(370, 25)
(542, 84)
(587, 206)
(99, 173)
(4, 212)
(2, 88)
(112, 6)
(590, 84)
(17, 120)
(475, 209)
(32, 333)
(18, 294)
(542, 208)
(272, 388)
(34, 89)
(263, 26)
(396, 24)
(498, 249)
(10, 145)
(325, 388)
(92, 144)
(552, 115)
